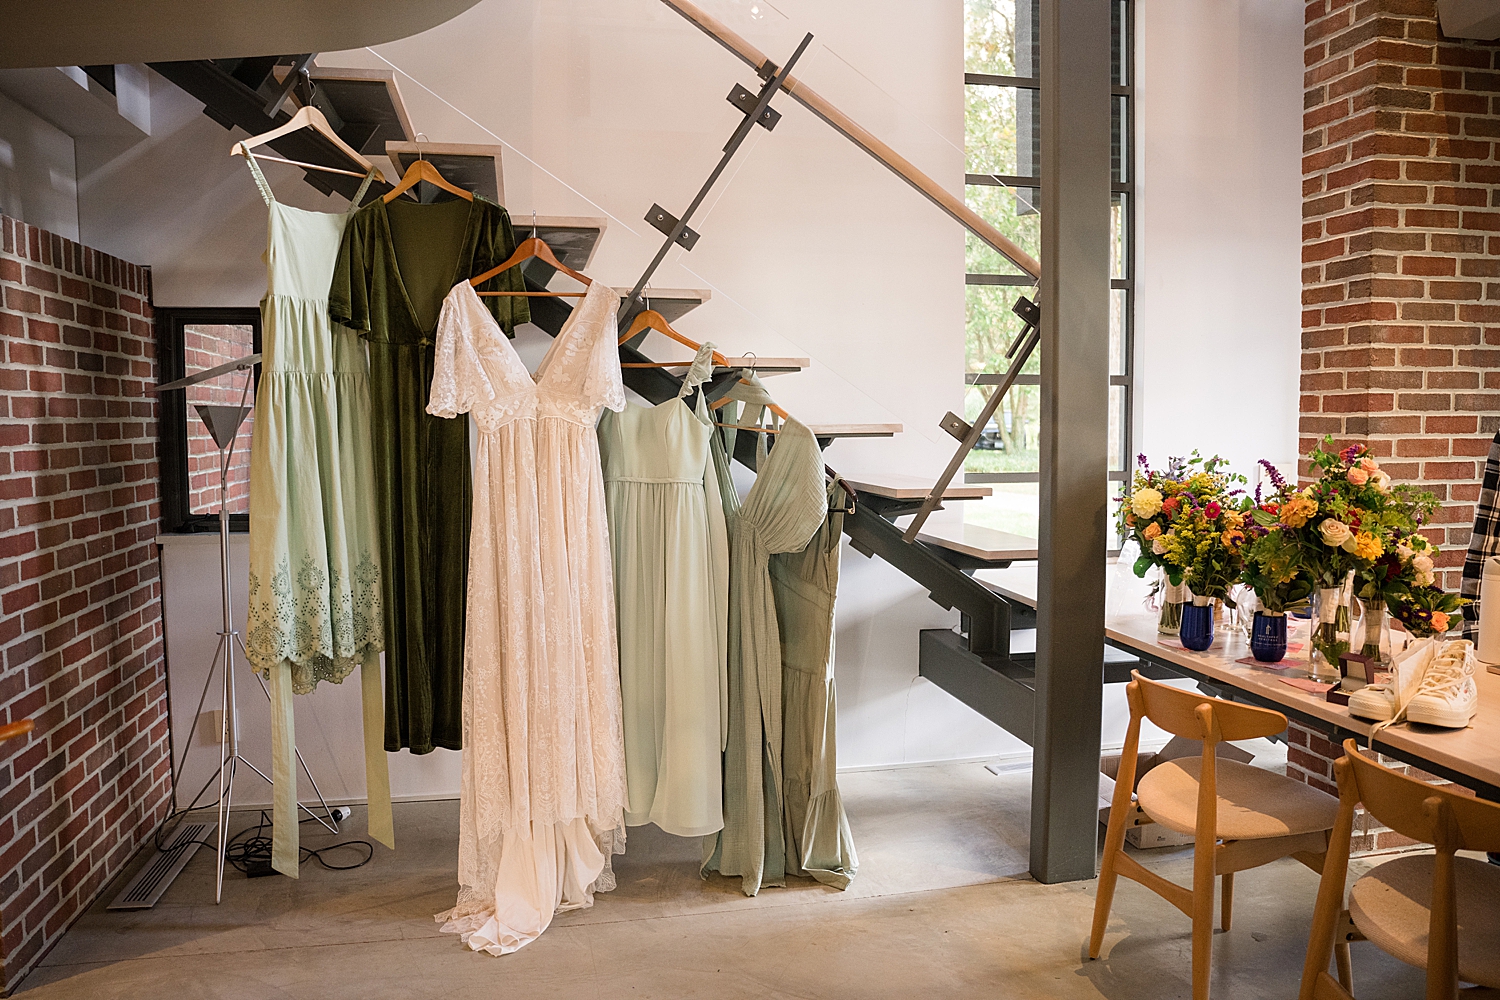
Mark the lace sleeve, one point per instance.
(602, 386)
(459, 381)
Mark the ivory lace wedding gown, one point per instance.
(543, 788)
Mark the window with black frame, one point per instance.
(1002, 113)
(189, 341)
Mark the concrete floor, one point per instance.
(942, 907)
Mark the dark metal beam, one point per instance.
(986, 616)
(998, 689)
(1074, 290)
(231, 102)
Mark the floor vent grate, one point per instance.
(152, 881)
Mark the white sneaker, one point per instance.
(1448, 695)
(1374, 701)
(1385, 701)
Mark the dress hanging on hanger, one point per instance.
(314, 606)
(782, 512)
(805, 583)
(543, 789)
(671, 571)
(395, 264)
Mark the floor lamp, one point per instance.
(223, 424)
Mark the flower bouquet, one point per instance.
(1406, 562)
(1426, 609)
(1275, 564)
(1149, 511)
(1354, 518)
(1202, 548)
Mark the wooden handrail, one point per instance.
(15, 729)
(862, 138)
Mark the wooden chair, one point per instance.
(14, 729)
(1412, 907)
(1239, 816)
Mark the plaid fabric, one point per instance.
(1485, 541)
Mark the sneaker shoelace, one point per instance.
(1444, 676)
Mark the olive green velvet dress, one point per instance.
(396, 264)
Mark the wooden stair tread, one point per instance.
(899, 486)
(673, 303)
(762, 366)
(988, 544)
(855, 430)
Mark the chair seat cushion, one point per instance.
(1390, 906)
(1254, 804)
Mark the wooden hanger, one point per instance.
(421, 170)
(650, 319)
(721, 402)
(529, 248)
(308, 117)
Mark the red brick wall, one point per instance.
(80, 589)
(208, 346)
(1401, 291)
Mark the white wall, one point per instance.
(37, 173)
(810, 248)
(1219, 272)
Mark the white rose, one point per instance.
(1405, 552)
(1423, 565)
(1335, 533)
(1146, 502)
(1382, 481)
(1158, 547)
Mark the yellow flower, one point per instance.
(1146, 503)
(1233, 538)
(1296, 511)
(1367, 547)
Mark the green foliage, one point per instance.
(1274, 565)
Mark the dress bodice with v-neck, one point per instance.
(577, 377)
(543, 786)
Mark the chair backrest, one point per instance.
(1180, 713)
(1415, 809)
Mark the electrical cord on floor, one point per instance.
(251, 847)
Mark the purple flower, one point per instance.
(1277, 479)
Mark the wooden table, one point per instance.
(1470, 757)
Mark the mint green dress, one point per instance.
(671, 569)
(315, 597)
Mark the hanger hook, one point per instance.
(420, 136)
(534, 231)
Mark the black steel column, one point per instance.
(1074, 289)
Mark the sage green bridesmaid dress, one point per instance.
(671, 569)
(315, 597)
(780, 793)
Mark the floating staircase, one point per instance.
(988, 662)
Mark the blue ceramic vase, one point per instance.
(1268, 637)
(1197, 630)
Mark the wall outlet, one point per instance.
(211, 728)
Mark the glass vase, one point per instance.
(1197, 631)
(1173, 597)
(1330, 632)
(1375, 634)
